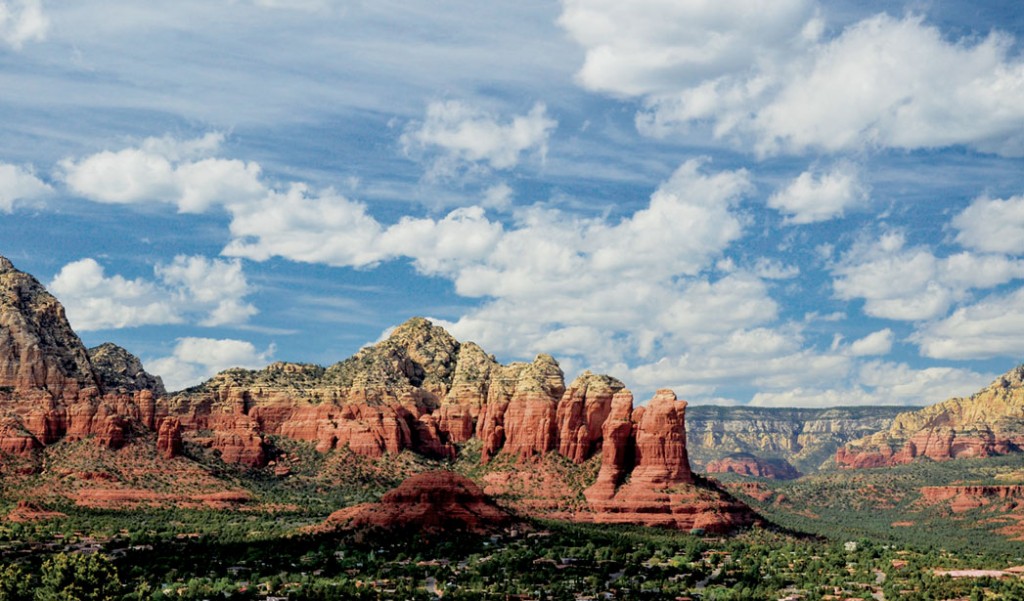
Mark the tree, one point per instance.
(16, 584)
(77, 577)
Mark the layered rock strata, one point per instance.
(50, 388)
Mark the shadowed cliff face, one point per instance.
(116, 368)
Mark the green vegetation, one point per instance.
(104, 555)
(887, 505)
(872, 533)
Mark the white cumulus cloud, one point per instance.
(817, 197)
(901, 283)
(197, 359)
(165, 170)
(209, 292)
(992, 327)
(875, 343)
(992, 225)
(768, 73)
(18, 185)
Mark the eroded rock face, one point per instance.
(119, 370)
(645, 473)
(433, 502)
(582, 412)
(465, 400)
(530, 422)
(38, 348)
(618, 449)
(15, 439)
(239, 440)
(988, 423)
(746, 464)
(661, 457)
(168, 441)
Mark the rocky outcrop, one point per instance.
(15, 439)
(168, 441)
(645, 475)
(618, 452)
(965, 498)
(50, 389)
(581, 415)
(991, 422)
(806, 438)
(746, 464)
(661, 456)
(118, 370)
(38, 349)
(529, 420)
(238, 439)
(468, 394)
(430, 502)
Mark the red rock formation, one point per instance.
(465, 400)
(168, 441)
(746, 464)
(986, 424)
(434, 502)
(15, 439)
(661, 490)
(617, 455)
(428, 439)
(115, 433)
(966, 498)
(38, 349)
(581, 415)
(530, 424)
(661, 443)
(238, 439)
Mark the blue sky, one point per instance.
(776, 203)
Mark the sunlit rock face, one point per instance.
(990, 422)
